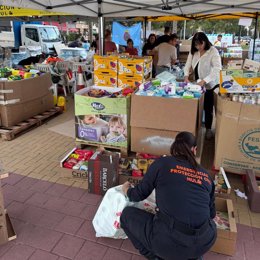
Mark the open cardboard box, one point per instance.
(70, 172)
(226, 239)
(225, 190)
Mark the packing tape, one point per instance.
(2, 97)
(6, 91)
(9, 102)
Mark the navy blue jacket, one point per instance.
(181, 192)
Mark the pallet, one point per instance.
(82, 145)
(9, 133)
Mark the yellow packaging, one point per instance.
(15, 72)
(129, 81)
(135, 66)
(238, 84)
(104, 63)
(105, 79)
(27, 75)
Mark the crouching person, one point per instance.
(183, 227)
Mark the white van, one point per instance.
(44, 36)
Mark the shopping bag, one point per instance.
(107, 219)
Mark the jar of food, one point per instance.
(241, 98)
(235, 97)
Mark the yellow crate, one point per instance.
(135, 66)
(129, 81)
(105, 79)
(103, 63)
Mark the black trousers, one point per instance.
(208, 107)
(153, 237)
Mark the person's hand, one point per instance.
(186, 79)
(201, 83)
(125, 187)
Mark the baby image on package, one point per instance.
(109, 129)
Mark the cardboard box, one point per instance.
(252, 188)
(235, 64)
(102, 172)
(105, 63)
(226, 239)
(15, 113)
(129, 81)
(136, 66)
(222, 185)
(134, 180)
(155, 121)
(71, 172)
(95, 116)
(237, 142)
(238, 83)
(25, 90)
(105, 79)
(251, 65)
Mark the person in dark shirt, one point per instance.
(32, 60)
(165, 37)
(183, 226)
(149, 45)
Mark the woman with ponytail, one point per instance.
(183, 226)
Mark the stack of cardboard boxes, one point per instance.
(105, 71)
(22, 99)
(122, 72)
(132, 72)
(237, 144)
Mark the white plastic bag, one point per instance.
(107, 219)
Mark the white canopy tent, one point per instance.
(119, 8)
(133, 8)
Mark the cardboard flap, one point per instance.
(164, 113)
(251, 179)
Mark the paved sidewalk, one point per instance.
(53, 222)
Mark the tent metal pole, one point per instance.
(100, 28)
(255, 33)
(145, 28)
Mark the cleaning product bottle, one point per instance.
(62, 103)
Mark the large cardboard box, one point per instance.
(15, 113)
(104, 63)
(155, 122)
(105, 79)
(226, 239)
(136, 66)
(24, 90)
(252, 188)
(129, 81)
(237, 144)
(95, 117)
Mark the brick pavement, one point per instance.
(37, 153)
(53, 222)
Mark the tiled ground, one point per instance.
(49, 216)
(53, 222)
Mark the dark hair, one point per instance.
(181, 147)
(151, 35)
(130, 40)
(174, 36)
(220, 35)
(166, 29)
(107, 33)
(200, 37)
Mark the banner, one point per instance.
(120, 34)
(10, 11)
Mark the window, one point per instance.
(32, 34)
(50, 34)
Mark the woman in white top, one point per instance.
(204, 60)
